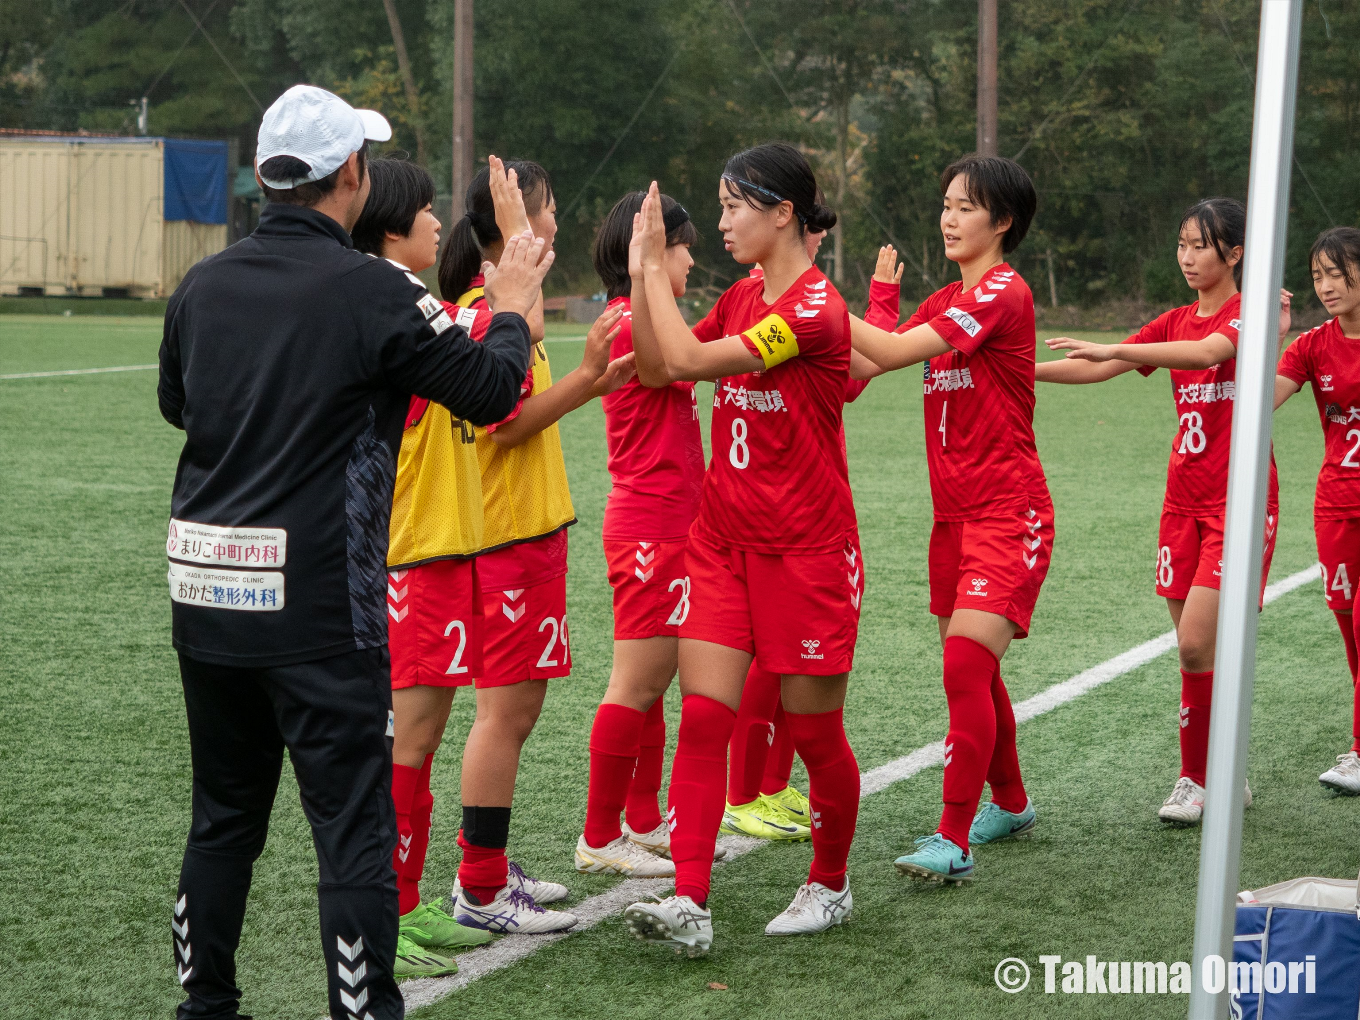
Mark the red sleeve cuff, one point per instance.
(884, 305)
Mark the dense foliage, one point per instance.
(1124, 111)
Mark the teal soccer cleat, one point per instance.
(992, 824)
(936, 860)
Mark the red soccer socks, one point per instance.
(422, 811)
(484, 868)
(833, 779)
(641, 808)
(968, 671)
(1003, 774)
(405, 781)
(779, 761)
(1196, 695)
(614, 741)
(696, 793)
(753, 734)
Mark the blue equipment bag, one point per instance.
(1292, 962)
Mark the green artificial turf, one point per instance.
(95, 760)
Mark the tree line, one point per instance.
(1123, 111)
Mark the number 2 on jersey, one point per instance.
(1349, 459)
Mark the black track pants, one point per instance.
(332, 716)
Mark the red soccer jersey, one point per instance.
(979, 399)
(777, 482)
(1330, 360)
(1197, 475)
(656, 454)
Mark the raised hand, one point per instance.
(507, 198)
(513, 286)
(1082, 350)
(1286, 318)
(599, 338)
(887, 259)
(652, 237)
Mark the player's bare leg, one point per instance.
(491, 892)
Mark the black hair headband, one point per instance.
(676, 215)
(774, 197)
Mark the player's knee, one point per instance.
(1197, 654)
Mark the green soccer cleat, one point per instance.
(414, 962)
(992, 824)
(429, 927)
(762, 821)
(788, 805)
(936, 859)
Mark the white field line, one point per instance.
(591, 911)
(79, 371)
(147, 368)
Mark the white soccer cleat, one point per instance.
(814, 908)
(621, 856)
(513, 911)
(658, 841)
(537, 889)
(676, 921)
(1185, 806)
(1344, 776)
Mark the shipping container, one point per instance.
(94, 217)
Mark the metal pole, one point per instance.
(463, 164)
(986, 83)
(1272, 144)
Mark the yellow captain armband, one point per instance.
(774, 340)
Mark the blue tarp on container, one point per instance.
(1285, 946)
(195, 180)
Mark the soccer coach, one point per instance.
(288, 360)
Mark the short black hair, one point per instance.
(766, 175)
(1002, 187)
(1222, 222)
(399, 191)
(290, 168)
(1341, 245)
(610, 251)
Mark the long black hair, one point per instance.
(776, 172)
(1222, 222)
(477, 230)
(399, 190)
(610, 251)
(1341, 245)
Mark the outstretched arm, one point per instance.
(1190, 354)
(595, 376)
(891, 351)
(1075, 371)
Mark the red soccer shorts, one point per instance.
(434, 624)
(1190, 553)
(525, 634)
(1338, 545)
(993, 564)
(651, 588)
(796, 614)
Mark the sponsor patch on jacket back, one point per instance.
(249, 590)
(230, 547)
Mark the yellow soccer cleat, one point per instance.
(789, 804)
(761, 820)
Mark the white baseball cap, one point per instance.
(317, 127)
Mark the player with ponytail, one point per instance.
(770, 555)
